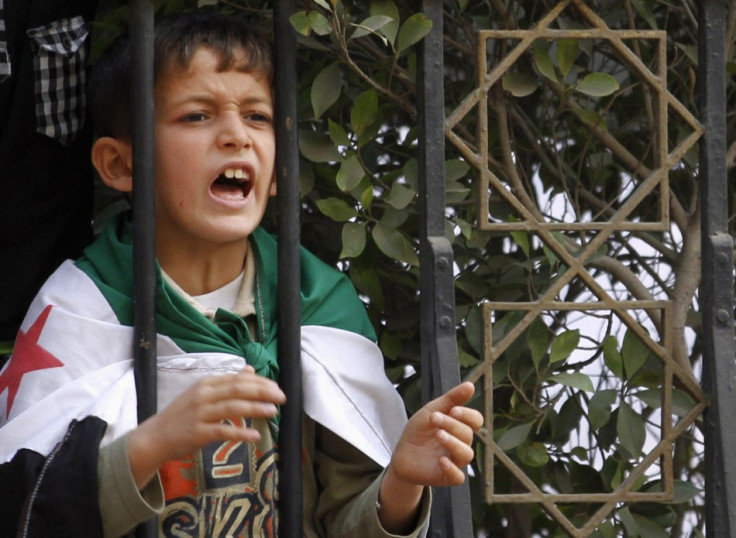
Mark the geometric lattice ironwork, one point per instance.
(644, 325)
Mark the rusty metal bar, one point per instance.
(289, 348)
(144, 264)
(451, 513)
(719, 371)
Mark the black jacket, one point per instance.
(54, 495)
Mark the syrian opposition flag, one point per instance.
(73, 354)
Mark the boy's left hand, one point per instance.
(435, 446)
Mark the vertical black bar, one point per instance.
(144, 265)
(451, 513)
(289, 344)
(719, 375)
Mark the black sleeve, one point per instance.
(54, 495)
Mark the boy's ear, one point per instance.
(113, 160)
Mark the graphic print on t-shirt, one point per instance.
(226, 489)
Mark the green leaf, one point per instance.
(513, 437)
(604, 530)
(364, 111)
(633, 352)
(682, 491)
(326, 89)
(599, 407)
(323, 4)
(567, 53)
(400, 196)
(413, 30)
(563, 345)
(349, 174)
(632, 527)
(649, 528)
(519, 84)
(552, 258)
(369, 284)
(466, 360)
(575, 380)
(388, 9)
(371, 25)
(337, 133)
(682, 403)
(455, 192)
(411, 173)
(544, 64)
(317, 148)
(612, 357)
(643, 8)
(631, 430)
(394, 245)
(394, 218)
(390, 345)
(538, 341)
(353, 239)
(597, 85)
(320, 24)
(592, 118)
(533, 454)
(521, 238)
(456, 169)
(301, 23)
(336, 209)
(366, 197)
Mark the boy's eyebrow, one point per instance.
(210, 99)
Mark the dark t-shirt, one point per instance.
(46, 181)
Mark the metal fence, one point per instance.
(451, 510)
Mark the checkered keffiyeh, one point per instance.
(60, 77)
(4, 57)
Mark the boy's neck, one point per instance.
(199, 271)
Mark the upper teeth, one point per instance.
(236, 173)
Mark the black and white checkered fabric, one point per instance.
(4, 57)
(60, 57)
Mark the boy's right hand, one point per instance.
(197, 417)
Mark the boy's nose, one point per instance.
(233, 133)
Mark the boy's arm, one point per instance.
(434, 449)
(122, 504)
(342, 500)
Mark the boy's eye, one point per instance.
(258, 117)
(194, 117)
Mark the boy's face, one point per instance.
(215, 151)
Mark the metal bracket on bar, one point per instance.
(720, 385)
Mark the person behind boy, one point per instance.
(206, 462)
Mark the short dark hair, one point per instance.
(176, 39)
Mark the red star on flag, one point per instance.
(28, 356)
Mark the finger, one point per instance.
(231, 431)
(461, 453)
(457, 395)
(233, 409)
(451, 473)
(454, 427)
(471, 417)
(243, 385)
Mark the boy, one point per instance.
(205, 463)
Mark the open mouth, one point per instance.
(232, 184)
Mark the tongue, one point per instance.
(227, 190)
